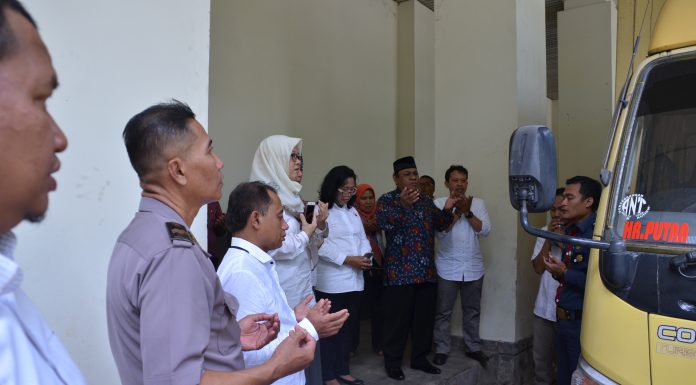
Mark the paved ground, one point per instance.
(368, 366)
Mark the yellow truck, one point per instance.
(639, 314)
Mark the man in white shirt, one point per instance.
(30, 352)
(460, 270)
(544, 327)
(255, 219)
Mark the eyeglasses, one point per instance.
(350, 191)
(296, 157)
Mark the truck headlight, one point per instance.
(587, 375)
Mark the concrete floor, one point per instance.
(369, 367)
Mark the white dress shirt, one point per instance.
(294, 264)
(545, 304)
(459, 255)
(249, 274)
(346, 237)
(30, 352)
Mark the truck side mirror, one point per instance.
(532, 169)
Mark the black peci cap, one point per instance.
(404, 163)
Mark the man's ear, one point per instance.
(254, 220)
(589, 202)
(395, 178)
(175, 169)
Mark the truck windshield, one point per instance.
(657, 179)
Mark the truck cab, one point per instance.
(639, 313)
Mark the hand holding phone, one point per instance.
(369, 256)
(309, 211)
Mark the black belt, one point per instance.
(563, 314)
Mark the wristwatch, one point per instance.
(469, 215)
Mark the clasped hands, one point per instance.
(325, 323)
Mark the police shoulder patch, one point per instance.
(177, 232)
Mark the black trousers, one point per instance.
(335, 350)
(408, 308)
(372, 306)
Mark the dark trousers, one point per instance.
(568, 349)
(313, 371)
(544, 350)
(372, 304)
(408, 308)
(335, 350)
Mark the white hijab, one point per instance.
(271, 165)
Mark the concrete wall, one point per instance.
(416, 84)
(532, 109)
(113, 59)
(424, 22)
(586, 73)
(322, 70)
(490, 79)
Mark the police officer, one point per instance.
(580, 202)
(169, 320)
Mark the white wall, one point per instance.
(322, 70)
(113, 59)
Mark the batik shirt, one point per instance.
(410, 234)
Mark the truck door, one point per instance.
(654, 210)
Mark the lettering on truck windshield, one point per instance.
(657, 231)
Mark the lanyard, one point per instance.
(240, 248)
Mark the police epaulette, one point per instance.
(177, 232)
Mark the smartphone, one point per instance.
(369, 256)
(309, 211)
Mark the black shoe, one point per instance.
(349, 382)
(427, 367)
(440, 358)
(396, 374)
(479, 356)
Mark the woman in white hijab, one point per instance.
(278, 162)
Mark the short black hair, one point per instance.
(428, 177)
(589, 188)
(246, 198)
(8, 40)
(453, 168)
(560, 191)
(333, 181)
(149, 133)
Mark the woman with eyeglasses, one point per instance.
(278, 162)
(343, 256)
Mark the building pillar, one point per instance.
(586, 76)
(490, 78)
(415, 84)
